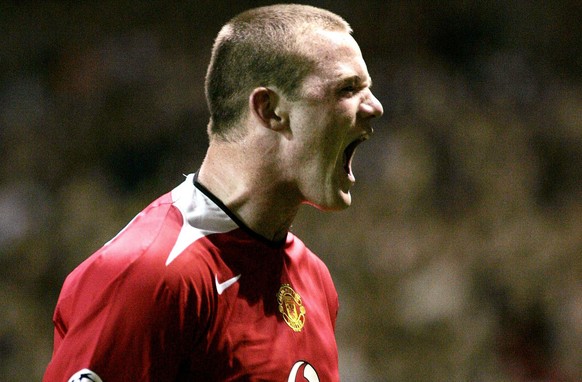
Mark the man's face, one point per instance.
(332, 116)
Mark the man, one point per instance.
(207, 283)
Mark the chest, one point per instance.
(270, 327)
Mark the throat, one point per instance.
(268, 214)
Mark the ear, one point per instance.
(265, 104)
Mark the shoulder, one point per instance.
(130, 276)
(136, 255)
(307, 262)
(301, 254)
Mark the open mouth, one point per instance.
(349, 155)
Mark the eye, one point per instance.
(348, 89)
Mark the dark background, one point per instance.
(461, 258)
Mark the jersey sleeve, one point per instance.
(131, 327)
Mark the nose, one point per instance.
(370, 107)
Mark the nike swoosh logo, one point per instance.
(221, 287)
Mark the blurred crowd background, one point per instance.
(461, 257)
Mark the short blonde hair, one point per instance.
(261, 47)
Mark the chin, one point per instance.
(339, 202)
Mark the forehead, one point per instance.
(338, 58)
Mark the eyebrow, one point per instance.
(357, 79)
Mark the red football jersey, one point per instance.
(186, 292)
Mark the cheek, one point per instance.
(343, 114)
(321, 131)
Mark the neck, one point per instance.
(250, 188)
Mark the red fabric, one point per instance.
(127, 315)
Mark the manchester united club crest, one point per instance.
(291, 307)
